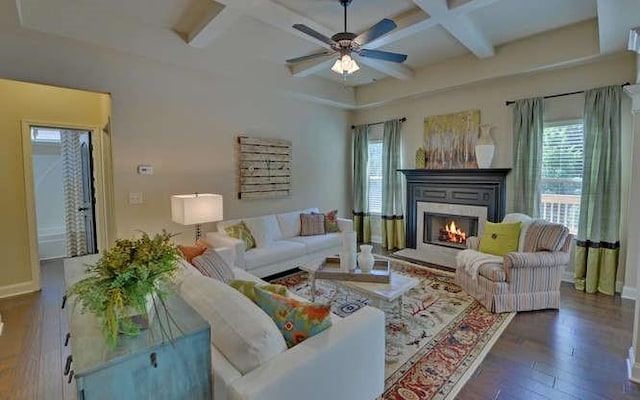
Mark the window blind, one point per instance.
(374, 172)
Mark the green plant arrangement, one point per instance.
(124, 279)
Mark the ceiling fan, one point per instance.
(345, 43)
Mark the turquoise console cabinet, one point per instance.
(148, 366)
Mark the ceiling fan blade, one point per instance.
(379, 29)
(305, 29)
(383, 55)
(310, 56)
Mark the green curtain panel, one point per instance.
(361, 218)
(598, 243)
(528, 125)
(393, 233)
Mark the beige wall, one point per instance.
(490, 96)
(184, 123)
(22, 101)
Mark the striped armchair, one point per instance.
(521, 281)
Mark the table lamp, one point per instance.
(196, 209)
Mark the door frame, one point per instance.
(101, 174)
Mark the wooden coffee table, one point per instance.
(378, 293)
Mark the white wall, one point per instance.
(49, 192)
(490, 96)
(184, 123)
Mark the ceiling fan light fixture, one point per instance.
(345, 65)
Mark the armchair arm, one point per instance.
(473, 242)
(345, 361)
(536, 260)
(217, 239)
(345, 225)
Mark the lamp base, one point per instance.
(198, 232)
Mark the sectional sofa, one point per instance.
(249, 362)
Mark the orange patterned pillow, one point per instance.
(191, 252)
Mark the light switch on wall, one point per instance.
(135, 198)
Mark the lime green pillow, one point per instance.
(242, 232)
(247, 288)
(500, 239)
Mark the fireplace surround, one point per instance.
(467, 196)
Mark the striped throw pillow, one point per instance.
(211, 264)
(545, 236)
(311, 224)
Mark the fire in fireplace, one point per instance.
(449, 230)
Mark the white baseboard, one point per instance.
(629, 293)
(18, 288)
(633, 368)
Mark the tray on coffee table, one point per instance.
(330, 269)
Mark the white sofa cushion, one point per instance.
(276, 251)
(265, 230)
(319, 242)
(244, 333)
(290, 222)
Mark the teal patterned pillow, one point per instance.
(297, 320)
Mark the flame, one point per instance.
(456, 235)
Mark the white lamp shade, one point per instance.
(191, 209)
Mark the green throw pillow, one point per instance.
(247, 288)
(297, 320)
(242, 232)
(500, 239)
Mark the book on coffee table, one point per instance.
(330, 269)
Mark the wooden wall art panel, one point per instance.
(265, 168)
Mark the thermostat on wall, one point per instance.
(145, 170)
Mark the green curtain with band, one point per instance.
(528, 125)
(393, 233)
(598, 244)
(361, 218)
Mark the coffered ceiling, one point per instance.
(229, 34)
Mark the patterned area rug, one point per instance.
(434, 346)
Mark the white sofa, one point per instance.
(279, 246)
(346, 361)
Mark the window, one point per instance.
(562, 166)
(374, 171)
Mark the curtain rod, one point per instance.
(508, 103)
(403, 119)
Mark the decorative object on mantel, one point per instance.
(485, 147)
(125, 288)
(265, 168)
(450, 140)
(421, 158)
(196, 209)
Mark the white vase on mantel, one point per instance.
(485, 147)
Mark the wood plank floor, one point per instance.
(578, 352)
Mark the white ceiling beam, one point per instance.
(459, 26)
(395, 70)
(408, 24)
(615, 19)
(213, 24)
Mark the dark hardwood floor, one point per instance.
(578, 352)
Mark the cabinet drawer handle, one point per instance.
(66, 339)
(67, 366)
(70, 376)
(154, 360)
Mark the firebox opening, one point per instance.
(449, 230)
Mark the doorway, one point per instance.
(64, 191)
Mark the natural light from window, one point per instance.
(374, 171)
(562, 166)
